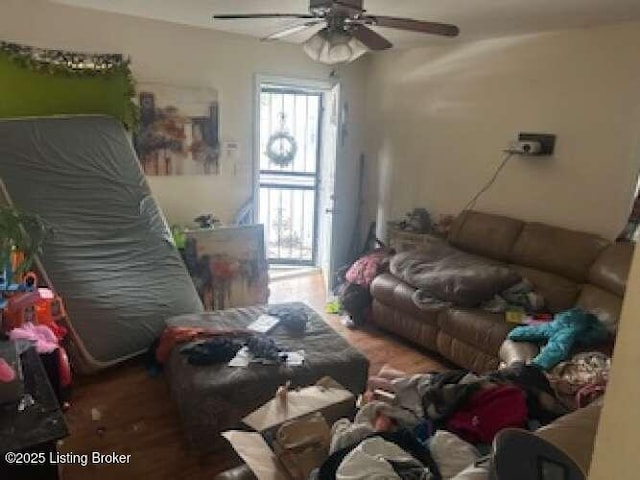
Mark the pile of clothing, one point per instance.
(448, 400)
(386, 442)
(353, 291)
(520, 297)
(383, 443)
(437, 425)
(209, 345)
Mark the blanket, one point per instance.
(442, 273)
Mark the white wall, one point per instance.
(616, 448)
(178, 55)
(440, 117)
(437, 118)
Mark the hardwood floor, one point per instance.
(126, 411)
(379, 347)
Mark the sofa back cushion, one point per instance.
(486, 234)
(565, 252)
(559, 293)
(611, 268)
(603, 295)
(603, 304)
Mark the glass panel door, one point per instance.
(289, 151)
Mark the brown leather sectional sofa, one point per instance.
(567, 267)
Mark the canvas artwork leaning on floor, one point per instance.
(228, 266)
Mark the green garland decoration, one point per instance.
(77, 64)
(63, 62)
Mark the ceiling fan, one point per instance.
(346, 34)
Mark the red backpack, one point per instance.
(487, 412)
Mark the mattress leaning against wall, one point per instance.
(111, 256)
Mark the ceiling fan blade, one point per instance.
(245, 16)
(434, 28)
(354, 6)
(373, 40)
(291, 30)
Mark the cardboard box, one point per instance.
(327, 397)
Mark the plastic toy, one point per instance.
(40, 306)
(25, 302)
(26, 281)
(64, 368)
(18, 310)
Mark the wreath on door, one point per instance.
(282, 146)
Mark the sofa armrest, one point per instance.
(239, 473)
(575, 433)
(567, 442)
(512, 352)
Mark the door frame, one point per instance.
(295, 83)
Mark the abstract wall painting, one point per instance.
(178, 132)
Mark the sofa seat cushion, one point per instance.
(483, 330)
(465, 355)
(450, 275)
(393, 292)
(558, 292)
(558, 250)
(416, 330)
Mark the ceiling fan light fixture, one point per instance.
(347, 32)
(333, 47)
(314, 45)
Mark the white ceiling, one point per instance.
(476, 18)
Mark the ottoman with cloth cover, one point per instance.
(214, 398)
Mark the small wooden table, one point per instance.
(36, 429)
